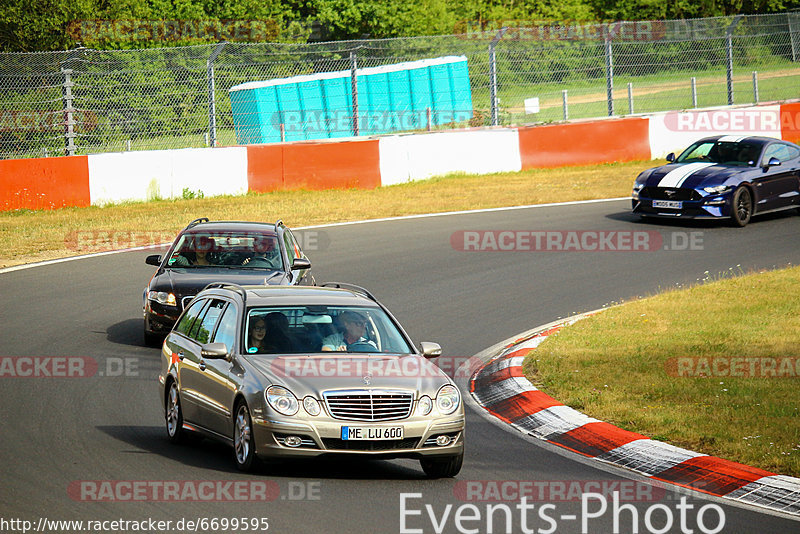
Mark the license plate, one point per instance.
(671, 204)
(371, 432)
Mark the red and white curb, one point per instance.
(501, 388)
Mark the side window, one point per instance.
(226, 331)
(188, 319)
(201, 331)
(783, 152)
(291, 249)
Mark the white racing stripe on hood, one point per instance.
(675, 178)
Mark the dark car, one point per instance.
(251, 253)
(298, 372)
(732, 177)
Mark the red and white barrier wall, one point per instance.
(49, 183)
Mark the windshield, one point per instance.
(305, 329)
(741, 153)
(249, 250)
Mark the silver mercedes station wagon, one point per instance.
(308, 371)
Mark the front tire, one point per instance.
(742, 208)
(244, 451)
(446, 467)
(174, 414)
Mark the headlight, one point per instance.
(311, 406)
(282, 400)
(636, 188)
(162, 297)
(448, 399)
(716, 190)
(424, 405)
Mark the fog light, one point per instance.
(293, 441)
(443, 440)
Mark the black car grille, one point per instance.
(364, 445)
(369, 404)
(660, 193)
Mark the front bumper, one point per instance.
(710, 207)
(323, 437)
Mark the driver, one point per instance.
(353, 324)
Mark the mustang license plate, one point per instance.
(671, 204)
(372, 432)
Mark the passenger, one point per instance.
(256, 334)
(277, 338)
(353, 325)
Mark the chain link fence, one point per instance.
(87, 101)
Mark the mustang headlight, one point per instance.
(424, 405)
(717, 190)
(282, 400)
(637, 187)
(311, 406)
(162, 297)
(448, 399)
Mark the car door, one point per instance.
(778, 186)
(185, 357)
(205, 381)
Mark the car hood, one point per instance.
(311, 374)
(190, 281)
(692, 175)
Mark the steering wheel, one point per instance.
(361, 346)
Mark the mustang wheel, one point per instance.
(243, 449)
(742, 206)
(442, 467)
(174, 414)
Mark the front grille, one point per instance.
(369, 404)
(364, 445)
(660, 193)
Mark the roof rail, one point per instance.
(236, 287)
(344, 285)
(197, 221)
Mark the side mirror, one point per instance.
(773, 162)
(214, 351)
(300, 264)
(430, 350)
(154, 259)
(671, 157)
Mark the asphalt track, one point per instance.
(59, 431)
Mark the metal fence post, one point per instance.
(630, 98)
(564, 104)
(729, 47)
(69, 113)
(755, 86)
(790, 17)
(609, 77)
(212, 99)
(495, 104)
(354, 88)
(694, 92)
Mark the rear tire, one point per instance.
(446, 467)
(244, 451)
(742, 207)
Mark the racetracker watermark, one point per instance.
(66, 367)
(733, 367)
(566, 30)
(574, 241)
(554, 490)
(767, 121)
(12, 120)
(343, 121)
(192, 491)
(119, 30)
(372, 366)
(545, 518)
(92, 241)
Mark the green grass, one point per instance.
(620, 366)
(37, 235)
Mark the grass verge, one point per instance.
(27, 236)
(641, 367)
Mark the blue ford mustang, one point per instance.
(727, 176)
